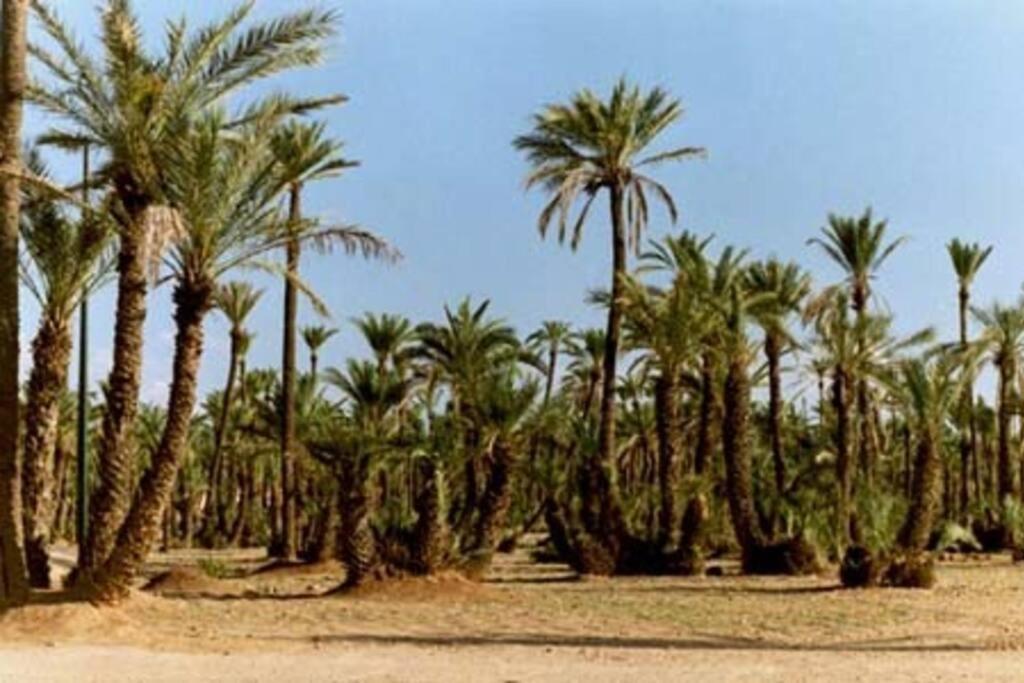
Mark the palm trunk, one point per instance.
(773, 350)
(840, 403)
(429, 534)
(142, 526)
(13, 580)
(918, 525)
(358, 546)
(110, 503)
(1005, 476)
(865, 451)
(289, 531)
(966, 420)
(602, 507)
(736, 449)
(496, 501)
(51, 354)
(666, 416)
(214, 506)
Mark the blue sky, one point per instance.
(805, 107)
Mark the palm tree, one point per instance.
(858, 245)
(390, 338)
(138, 108)
(66, 259)
(13, 584)
(927, 391)
(579, 149)
(222, 180)
(1003, 338)
(551, 337)
(788, 286)
(236, 300)
(967, 260)
(315, 336)
(357, 449)
(304, 154)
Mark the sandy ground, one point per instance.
(526, 623)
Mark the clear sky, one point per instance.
(805, 107)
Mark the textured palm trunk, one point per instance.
(666, 416)
(695, 518)
(13, 580)
(966, 420)
(110, 502)
(773, 350)
(1005, 471)
(601, 512)
(289, 528)
(736, 451)
(844, 478)
(358, 545)
(924, 495)
(142, 525)
(51, 353)
(496, 500)
(429, 533)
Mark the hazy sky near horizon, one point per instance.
(914, 108)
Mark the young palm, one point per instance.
(65, 259)
(788, 286)
(967, 260)
(138, 107)
(315, 336)
(858, 245)
(304, 154)
(236, 301)
(577, 150)
(223, 184)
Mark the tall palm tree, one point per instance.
(222, 181)
(66, 259)
(577, 150)
(137, 107)
(13, 583)
(1003, 338)
(858, 245)
(304, 154)
(315, 336)
(787, 286)
(236, 300)
(967, 260)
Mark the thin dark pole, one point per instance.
(82, 502)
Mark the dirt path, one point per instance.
(527, 623)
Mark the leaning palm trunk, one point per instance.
(358, 545)
(924, 493)
(51, 353)
(666, 415)
(695, 517)
(113, 495)
(1005, 472)
(142, 526)
(13, 584)
(736, 449)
